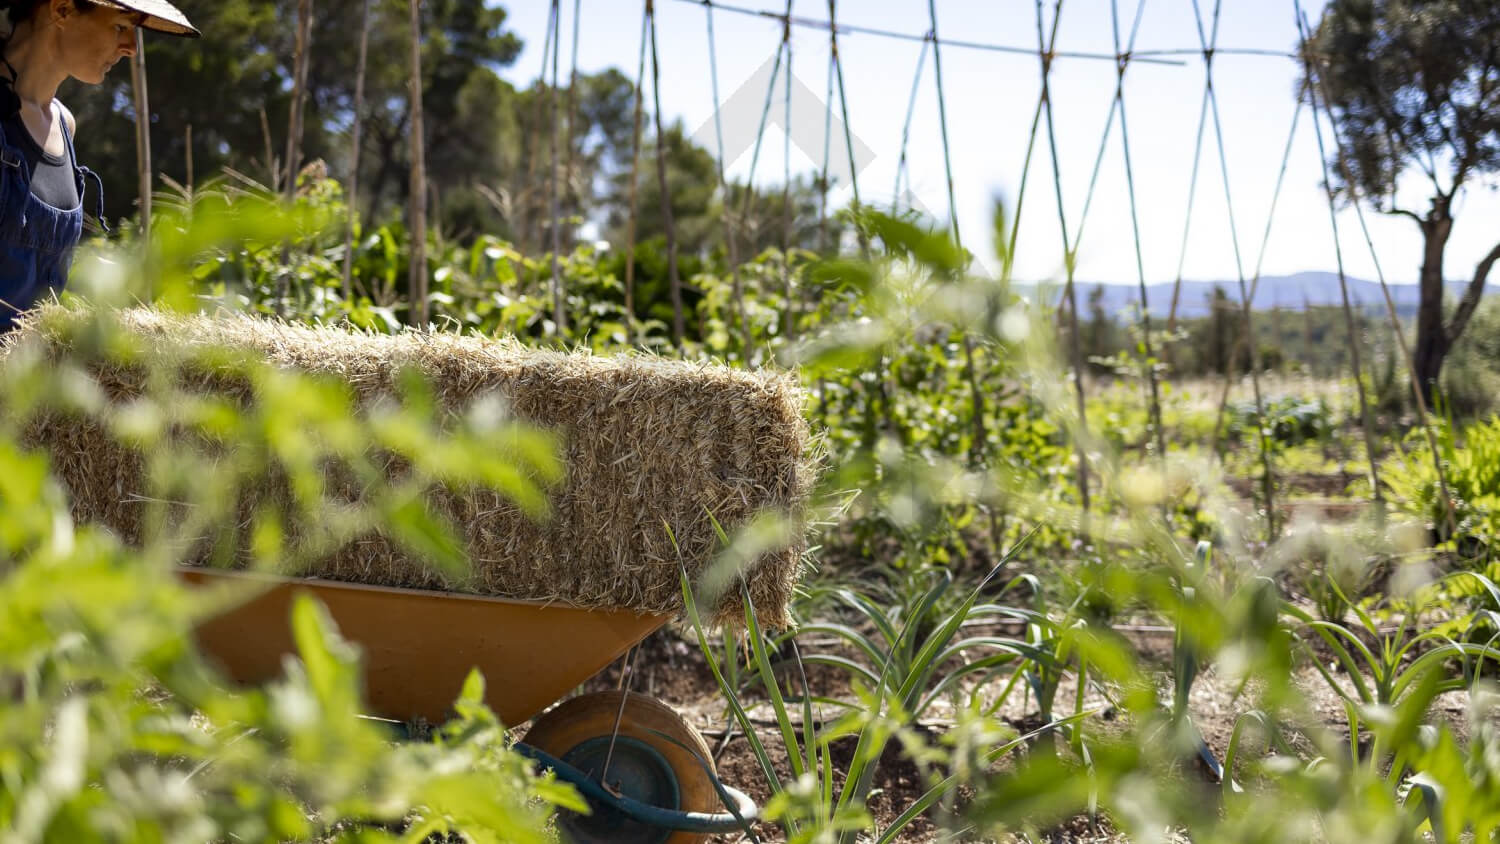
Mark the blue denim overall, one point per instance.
(36, 240)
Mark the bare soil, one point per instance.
(669, 668)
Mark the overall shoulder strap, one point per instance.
(62, 122)
(83, 172)
(9, 156)
(10, 106)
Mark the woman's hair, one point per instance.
(20, 10)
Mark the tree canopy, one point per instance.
(488, 143)
(1415, 84)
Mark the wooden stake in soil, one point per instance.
(789, 306)
(531, 213)
(288, 184)
(1069, 261)
(142, 131)
(635, 176)
(979, 450)
(1367, 420)
(747, 213)
(838, 72)
(273, 167)
(187, 148)
(731, 240)
(554, 220)
(1153, 394)
(418, 192)
(354, 147)
(570, 195)
(823, 176)
(678, 329)
(1304, 30)
(300, 61)
(1246, 304)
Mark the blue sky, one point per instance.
(990, 99)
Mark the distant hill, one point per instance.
(1317, 289)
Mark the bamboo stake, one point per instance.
(635, 171)
(1367, 421)
(1070, 291)
(902, 170)
(294, 141)
(1153, 394)
(530, 236)
(747, 205)
(142, 132)
(188, 151)
(838, 69)
(570, 196)
(731, 238)
(1241, 347)
(418, 191)
(1268, 480)
(789, 309)
(979, 450)
(273, 167)
(823, 176)
(354, 147)
(559, 311)
(1305, 34)
(300, 62)
(678, 329)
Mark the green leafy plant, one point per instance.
(918, 646)
(114, 727)
(1471, 464)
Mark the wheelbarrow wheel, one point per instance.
(657, 758)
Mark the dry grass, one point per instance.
(647, 443)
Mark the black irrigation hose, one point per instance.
(741, 808)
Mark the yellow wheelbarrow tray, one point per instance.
(418, 647)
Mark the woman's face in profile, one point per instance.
(95, 40)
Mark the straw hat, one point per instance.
(161, 16)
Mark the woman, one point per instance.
(41, 182)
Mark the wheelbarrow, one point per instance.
(658, 782)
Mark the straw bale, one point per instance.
(647, 443)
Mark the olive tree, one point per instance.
(1416, 84)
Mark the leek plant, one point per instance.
(912, 670)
